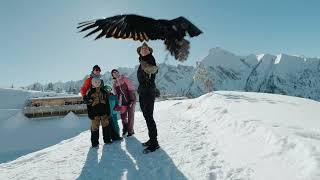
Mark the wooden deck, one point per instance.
(54, 106)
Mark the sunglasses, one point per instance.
(97, 70)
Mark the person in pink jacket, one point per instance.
(125, 92)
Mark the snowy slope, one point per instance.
(220, 135)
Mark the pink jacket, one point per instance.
(124, 88)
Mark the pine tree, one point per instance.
(75, 91)
(69, 90)
(37, 87)
(50, 87)
(59, 90)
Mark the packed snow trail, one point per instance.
(220, 135)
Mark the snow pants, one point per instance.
(128, 118)
(147, 99)
(95, 123)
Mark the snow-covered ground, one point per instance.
(20, 135)
(220, 135)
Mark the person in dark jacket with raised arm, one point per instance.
(147, 93)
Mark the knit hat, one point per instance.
(96, 82)
(146, 45)
(96, 67)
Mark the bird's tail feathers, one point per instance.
(178, 48)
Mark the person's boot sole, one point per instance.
(146, 150)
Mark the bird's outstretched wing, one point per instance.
(140, 28)
(186, 26)
(134, 27)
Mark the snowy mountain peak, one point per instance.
(290, 60)
(265, 57)
(278, 59)
(259, 56)
(219, 50)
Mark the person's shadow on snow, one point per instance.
(155, 165)
(90, 165)
(114, 163)
(129, 162)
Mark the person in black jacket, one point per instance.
(98, 112)
(147, 93)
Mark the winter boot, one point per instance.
(106, 135)
(125, 129)
(117, 139)
(151, 148)
(115, 135)
(95, 138)
(130, 134)
(148, 143)
(154, 145)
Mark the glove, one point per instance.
(117, 108)
(148, 68)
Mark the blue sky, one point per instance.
(39, 39)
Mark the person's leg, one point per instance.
(131, 119)
(106, 131)
(147, 107)
(95, 132)
(113, 133)
(114, 128)
(124, 122)
(115, 124)
(141, 103)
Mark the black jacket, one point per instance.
(99, 103)
(146, 81)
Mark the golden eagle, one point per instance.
(140, 28)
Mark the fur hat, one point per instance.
(146, 45)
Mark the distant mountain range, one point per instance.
(223, 70)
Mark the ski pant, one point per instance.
(128, 118)
(115, 130)
(147, 100)
(95, 123)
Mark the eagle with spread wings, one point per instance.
(140, 28)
